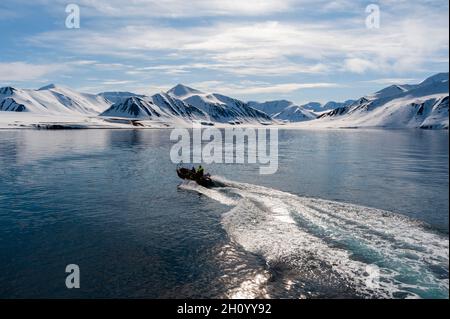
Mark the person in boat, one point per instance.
(196, 174)
(200, 171)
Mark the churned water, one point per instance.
(350, 213)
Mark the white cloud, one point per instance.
(284, 88)
(270, 47)
(116, 82)
(385, 81)
(242, 68)
(112, 66)
(358, 65)
(22, 71)
(253, 88)
(83, 62)
(182, 8)
(339, 5)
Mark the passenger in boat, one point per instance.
(200, 171)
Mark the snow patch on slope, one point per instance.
(218, 107)
(51, 100)
(409, 106)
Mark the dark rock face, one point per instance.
(8, 90)
(118, 97)
(335, 112)
(136, 107)
(420, 110)
(227, 109)
(433, 127)
(166, 105)
(10, 105)
(443, 104)
(176, 106)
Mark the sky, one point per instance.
(300, 50)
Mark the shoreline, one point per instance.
(23, 121)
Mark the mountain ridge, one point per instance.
(423, 105)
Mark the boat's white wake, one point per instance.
(372, 252)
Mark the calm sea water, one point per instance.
(350, 213)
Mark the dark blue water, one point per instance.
(108, 201)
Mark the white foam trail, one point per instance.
(210, 192)
(341, 239)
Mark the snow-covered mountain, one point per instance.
(271, 107)
(284, 110)
(295, 113)
(51, 100)
(160, 106)
(320, 108)
(181, 102)
(182, 91)
(133, 107)
(334, 105)
(116, 97)
(423, 105)
(313, 106)
(291, 112)
(218, 107)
